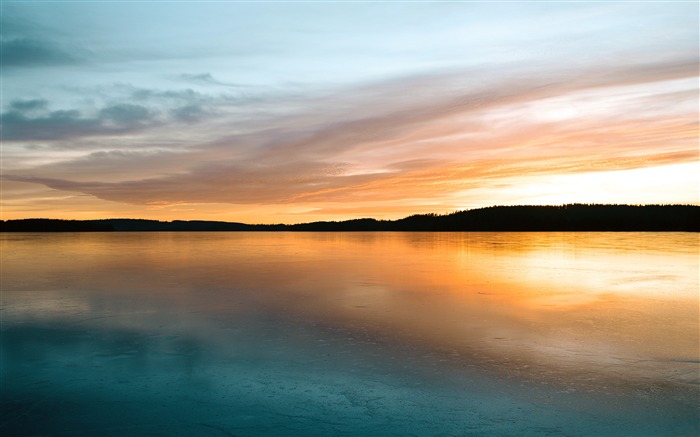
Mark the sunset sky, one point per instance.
(284, 112)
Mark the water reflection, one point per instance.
(365, 329)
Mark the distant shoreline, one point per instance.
(574, 217)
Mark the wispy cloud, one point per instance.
(380, 144)
(207, 79)
(23, 125)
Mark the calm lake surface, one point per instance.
(294, 334)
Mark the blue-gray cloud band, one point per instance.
(30, 52)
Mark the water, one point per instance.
(274, 334)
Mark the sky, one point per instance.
(288, 112)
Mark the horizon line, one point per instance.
(564, 205)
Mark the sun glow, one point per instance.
(667, 184)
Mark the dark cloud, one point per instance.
(133, 109)
(26, 43)
(189, 113)
(125, 114)
(29, 105)
(18, 125)
(30, 52)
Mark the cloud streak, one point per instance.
(423, 147)
(207, 79)
(299, 182)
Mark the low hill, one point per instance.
(576, 217)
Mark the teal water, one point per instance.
(293, 334)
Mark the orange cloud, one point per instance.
(413, 142)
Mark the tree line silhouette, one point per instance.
(573, 217)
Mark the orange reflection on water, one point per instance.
(622, 304)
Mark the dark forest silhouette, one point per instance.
(575, 217)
